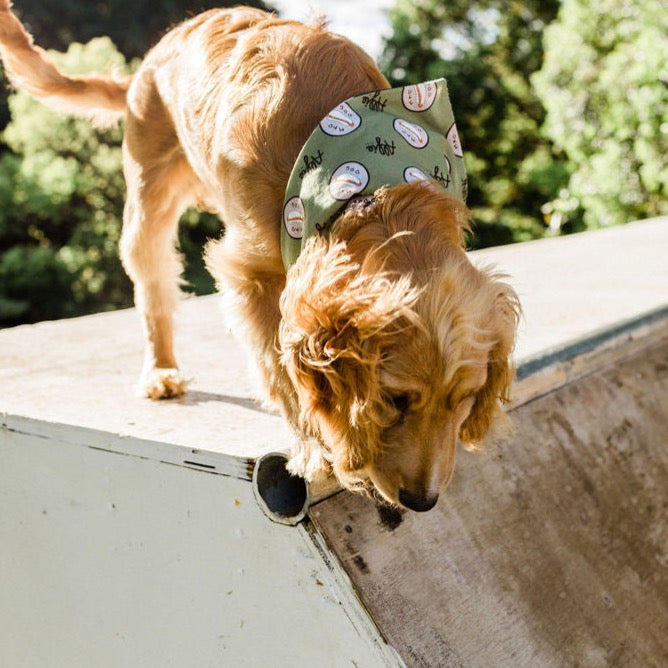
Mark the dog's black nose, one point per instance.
(417, 502)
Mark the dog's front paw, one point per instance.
(308, 462)
(162, 384)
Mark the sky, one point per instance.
(363, 21)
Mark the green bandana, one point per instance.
(379, 139)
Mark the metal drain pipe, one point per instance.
(283, 497)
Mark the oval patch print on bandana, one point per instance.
(381, 138)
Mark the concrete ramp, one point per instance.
(547, 550)
(137, 533)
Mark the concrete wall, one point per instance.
(109, 559)
(130, 534)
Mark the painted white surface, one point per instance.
(109, 560)
(82, 372)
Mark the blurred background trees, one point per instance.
(562, 107)
(61, 185)
(61, 194)
(604, 85)
(487, 50)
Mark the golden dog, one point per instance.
(382, 344)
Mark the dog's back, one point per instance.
(245, 92)
(236, 92)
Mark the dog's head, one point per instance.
(396, 345)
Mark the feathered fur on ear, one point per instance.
(336, 323)
(501, 325)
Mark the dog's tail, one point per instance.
(28, 67)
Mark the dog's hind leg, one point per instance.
(148, 249)
(152, 262)
(160, 186)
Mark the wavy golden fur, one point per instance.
(382, 345)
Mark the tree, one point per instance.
(605, 85)
(61, 198)
(487, 50)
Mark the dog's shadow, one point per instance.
(195, 397)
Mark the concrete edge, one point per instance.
(546, 371)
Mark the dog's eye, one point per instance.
(401, 402)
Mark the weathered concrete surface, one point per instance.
(550, 549)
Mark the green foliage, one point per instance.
(61, 199)
(487, 50)
(605, 85)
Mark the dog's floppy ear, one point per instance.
(501, 325)
(336, 322)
